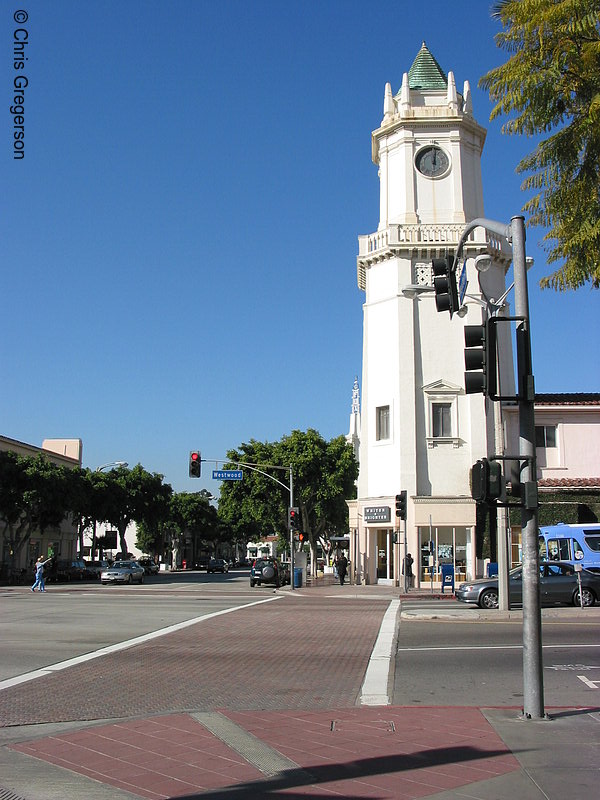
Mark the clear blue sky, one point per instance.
(179, 243)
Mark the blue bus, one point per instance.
(576, 544)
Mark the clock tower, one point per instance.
(428, 149)
(420, 432)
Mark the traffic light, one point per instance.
(195, 464)
(301, 536)
(444, 282)
(480, 358)
(294, 518)
(495, 481)
(487, 483)
(480, 473)
(401, 505)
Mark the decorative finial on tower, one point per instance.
(452, 96)
(388, 102)
(353, 436)
(468, 99)
(355, 397)
(404, 96)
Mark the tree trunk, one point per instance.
(122, 542)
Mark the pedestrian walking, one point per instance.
(39, 574)
(342, 566)
(408, 570)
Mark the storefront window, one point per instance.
(442, 545)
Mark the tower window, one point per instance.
(382, 423)
(441, 419)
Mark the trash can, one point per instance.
(297, 577)
(492, 569)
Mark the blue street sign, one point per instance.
(462, 284)
(228, 474)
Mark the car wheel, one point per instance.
(489, 599)
(141, 579)
(587, 595)
(104, 583)
(128, 579)
(252, 583)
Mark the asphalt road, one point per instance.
(442, 662)
(78, 618)
(438, 662)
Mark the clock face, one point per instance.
(432, 161)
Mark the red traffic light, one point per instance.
(195, 464)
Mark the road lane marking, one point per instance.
(374, 691)
(115, 648)
(590, 684)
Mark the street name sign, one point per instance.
(228, 474)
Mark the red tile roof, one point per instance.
(569, 483)
(568, 399)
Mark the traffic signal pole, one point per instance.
(292, 559)
(533, 683)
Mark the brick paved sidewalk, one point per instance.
(362, 752)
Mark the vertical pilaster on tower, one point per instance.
(452, 97)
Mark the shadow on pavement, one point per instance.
(354, 770)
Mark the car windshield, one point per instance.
(122, 564)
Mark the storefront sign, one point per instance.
(377, 514)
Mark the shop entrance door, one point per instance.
(385, 560)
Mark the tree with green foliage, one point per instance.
(35, 494)
(324, 475)
(188, 513)
(551, 87)
(133, 495)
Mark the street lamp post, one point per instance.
(111, 465)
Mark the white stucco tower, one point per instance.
(419, 431)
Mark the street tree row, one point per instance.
(37, 495)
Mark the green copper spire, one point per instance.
(425, 72)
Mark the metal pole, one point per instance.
(503, 560)
(406, 578)
(533, 683)
(292, 576)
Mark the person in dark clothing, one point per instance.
(342, 566)
(408, 570)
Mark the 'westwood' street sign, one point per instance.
(228, 474)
